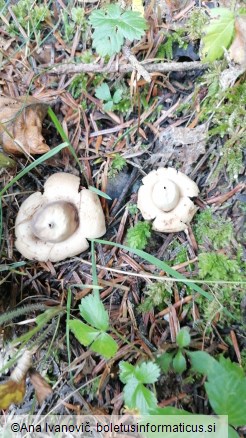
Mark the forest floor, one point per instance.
(181, 119)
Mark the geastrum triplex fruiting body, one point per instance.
(54, 225)
(164, 198)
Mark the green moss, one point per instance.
(138, 236)
(196, 21)
(157, 294)
(117, 164)
(217, 266)
(217, 230)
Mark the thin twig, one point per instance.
(71, 68)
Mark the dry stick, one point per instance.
(70, 68)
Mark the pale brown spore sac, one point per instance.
(164, 198)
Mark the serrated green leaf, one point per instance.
(112, 25)
(147, 372)
(137, 396)
(93, 311)
(85, 334)
(231, 367)
(218, 34)
(108, 106)
(164, 361)
(179, 362)
(103, 92)
(227, 396)
(117, 96)
(127, 371)
(226, 386)
(107, 46)
(183, 337)
(231, 401)
(105, 345)
(203, 363)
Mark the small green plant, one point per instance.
(157, 295)
(30, 17)
(135, 378)
(196, 22)
(78, 85)
(94, 333)
(166, 49)
(133, 209)
(138, 236)
(71, 21)
(117, 164)
(112, 26)
(177, 359)
(78, 16)
(103, 93)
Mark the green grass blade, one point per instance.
(35, 163)
(164, 267)
(69, 300)
(99, 192)
(94, 266)
(11, 266)
(65, 139)
(159, 264)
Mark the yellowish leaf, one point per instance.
(12, 392)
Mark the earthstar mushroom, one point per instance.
(165, 197)
(54, 225)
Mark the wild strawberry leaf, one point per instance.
(218, 34)
(92, 310)
(137, 396)
(147, 372)
(83, 332)
(103, 92)
(127, 371)
(112, 26)
(225, 386)
(117, 96)
(105, 345)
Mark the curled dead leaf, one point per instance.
(42, 388)
(21, 125)
(238, 48)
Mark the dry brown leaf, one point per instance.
(21, 125)
(42, 388)
(238, 48)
